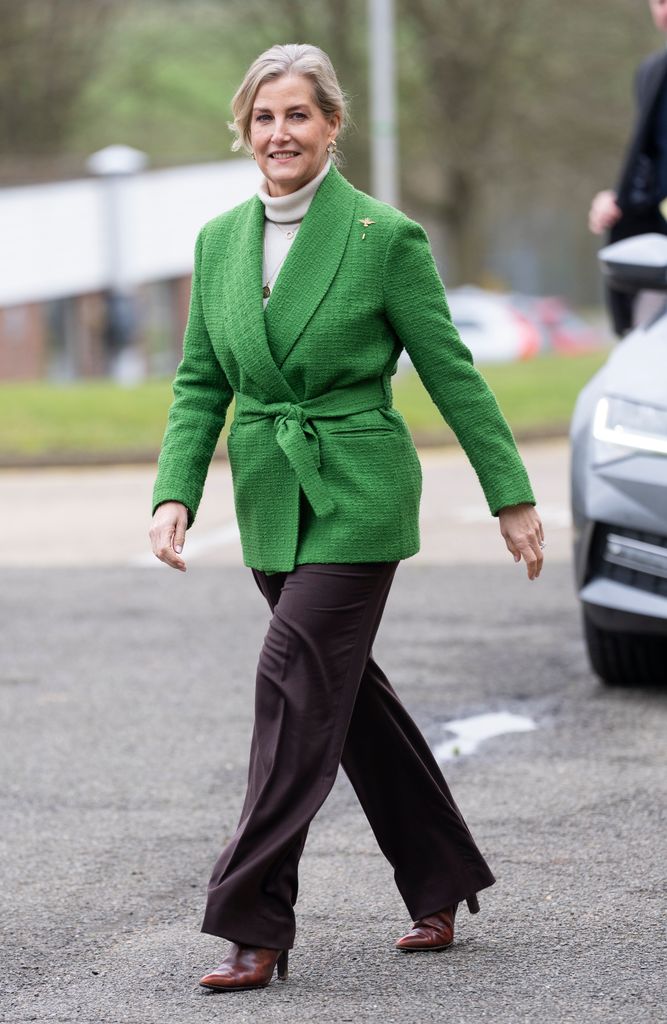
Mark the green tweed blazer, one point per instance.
(324, 468)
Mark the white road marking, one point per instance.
(470, 732)
(194, 546)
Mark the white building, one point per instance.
(63, 246)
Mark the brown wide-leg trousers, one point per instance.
(321, 701)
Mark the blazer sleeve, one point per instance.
(202, 395)
(417, 308)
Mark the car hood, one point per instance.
(637, 366)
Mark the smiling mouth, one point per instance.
(285, 154)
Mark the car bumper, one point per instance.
(624, 583)
(618, 607)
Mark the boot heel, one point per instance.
(282, 965)
(473, 904)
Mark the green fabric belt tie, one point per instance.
(297, 436)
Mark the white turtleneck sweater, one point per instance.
(282, 217)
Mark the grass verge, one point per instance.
(535, 396)
(44, 421)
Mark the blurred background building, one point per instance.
(119, 244)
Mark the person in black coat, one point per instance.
(633, 208)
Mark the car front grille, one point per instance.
(633, 557)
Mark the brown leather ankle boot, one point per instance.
(247, 967)
(435, 931)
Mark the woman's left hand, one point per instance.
(522, 529)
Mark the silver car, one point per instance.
(619, 485)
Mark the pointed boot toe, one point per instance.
(246, 967)
(431, 933)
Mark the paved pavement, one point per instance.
(101, 516)
(127, 695)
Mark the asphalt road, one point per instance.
(127, 697)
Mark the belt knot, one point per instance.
(299, 441)
(297, 435)
(293, 412)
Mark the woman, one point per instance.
(302, 299)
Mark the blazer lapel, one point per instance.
(651, 83)
(241, 297)
(310, 265)
(651, 87)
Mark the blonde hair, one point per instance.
(289, 59)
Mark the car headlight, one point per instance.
(630, 425)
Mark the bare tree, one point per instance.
(465, 51)
(48, 51)
(524, 98)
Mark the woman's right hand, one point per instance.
(167, 533)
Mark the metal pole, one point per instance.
(114, 165)
(384, 162)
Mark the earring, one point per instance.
(253, 156)
(332, 147)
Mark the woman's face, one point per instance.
(289, 133)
